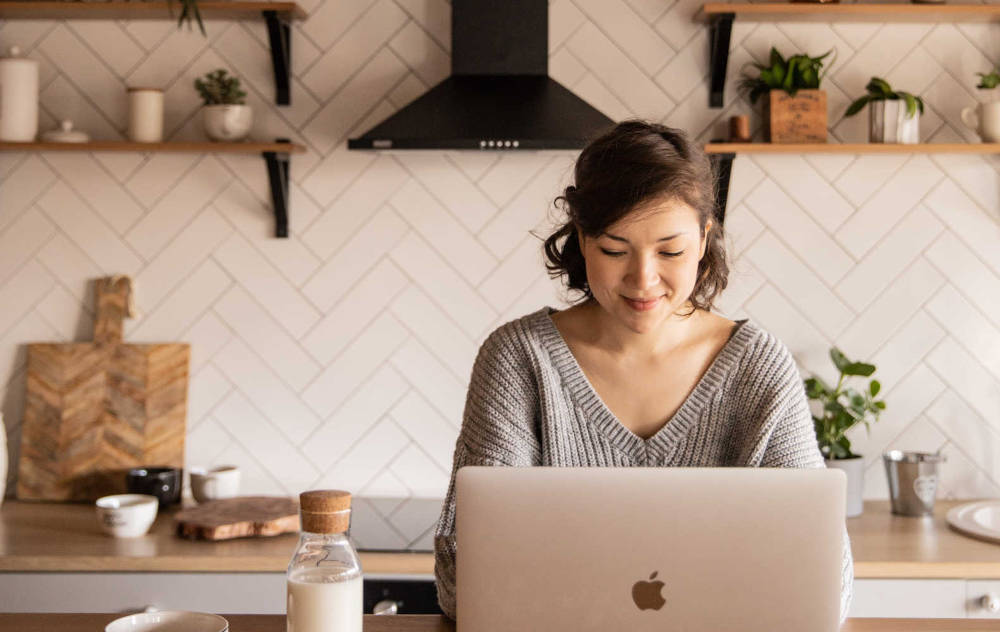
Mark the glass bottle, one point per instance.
(324, 577)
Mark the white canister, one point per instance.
(889, 122)
(145, 115)
(984, 119)
(18, 97)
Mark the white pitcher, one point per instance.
(18, 97)
(984, 119)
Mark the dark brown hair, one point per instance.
(634, 163)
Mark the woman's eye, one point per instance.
(618, 253)
(672, 254)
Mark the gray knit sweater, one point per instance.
(529, 403)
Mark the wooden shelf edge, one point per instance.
(190, 147)
(852, 148)
(883, 12)
(116, 9)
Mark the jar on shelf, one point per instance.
(325, 586)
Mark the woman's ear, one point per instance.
(704, 238)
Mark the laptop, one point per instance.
(636, 549)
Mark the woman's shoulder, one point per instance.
(515, 336)
(765, 358)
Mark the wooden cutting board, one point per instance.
(96, 409)
(238, 517)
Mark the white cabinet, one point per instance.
(919, 598)
(982, 598)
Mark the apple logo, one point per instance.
(647, 594)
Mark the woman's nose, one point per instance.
(644, 272)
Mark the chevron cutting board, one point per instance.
(96, 409)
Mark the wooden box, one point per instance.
(798, 119)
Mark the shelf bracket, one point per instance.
(277, 175)
(721, 33)
(723, 167)
(279, 32)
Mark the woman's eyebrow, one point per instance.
(617, 238)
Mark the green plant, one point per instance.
(843, 407)
(217, 88)
(798, 72)
(879, 90)
(189, 10)
(988, 81)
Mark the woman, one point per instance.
(640, 372)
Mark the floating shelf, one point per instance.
(722, 155)
(720, 16)
(278, 16)
(852, 148)
(276, 158)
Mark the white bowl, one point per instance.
(126, 515)
(219, 482)
(169, 621)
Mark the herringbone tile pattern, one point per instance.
(339, 357)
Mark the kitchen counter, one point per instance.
(65, 537)
(434, 623)
(36, 536)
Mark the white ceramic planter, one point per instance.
(888, 123)
(855, 470)
(227, 122)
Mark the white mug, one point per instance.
(218, 482)
(145, 115)
(984, 119)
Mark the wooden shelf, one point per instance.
(852, 148)
(141, 10)
(277, 15)
(192, 147)
(275, 159)
(871, 12)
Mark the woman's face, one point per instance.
(643, 268)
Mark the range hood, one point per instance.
(499, 95)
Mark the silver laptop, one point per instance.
(609, 549)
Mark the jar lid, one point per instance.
(65, 134)
(325, 510)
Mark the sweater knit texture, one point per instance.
(529, 403)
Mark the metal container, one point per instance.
(913, 481)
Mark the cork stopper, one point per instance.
(325, 510)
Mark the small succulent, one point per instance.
(879, 90)
(218, 88)
(988, 81)
(798, 72)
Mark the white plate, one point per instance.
(979, 519)
(169, 621)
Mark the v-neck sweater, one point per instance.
(529, 403)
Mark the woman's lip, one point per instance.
(642, 306)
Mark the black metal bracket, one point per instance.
(723, 167)
(721, 31)
(279, 32)
(277, 174)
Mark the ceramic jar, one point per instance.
(227, 122)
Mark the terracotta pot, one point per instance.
(795, 119)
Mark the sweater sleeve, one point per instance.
(499, 428)
(791, 442)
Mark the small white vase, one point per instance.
(855, 470)
(888, 123)
(227, 122)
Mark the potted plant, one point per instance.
(226, 116)
(984, 118)
(894, 116)
(795, 110)
(842, 409)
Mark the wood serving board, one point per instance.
(239, 517)
(96, 409)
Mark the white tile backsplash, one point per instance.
(340, 356)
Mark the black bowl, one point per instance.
(162, 482)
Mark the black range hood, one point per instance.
(499, 95)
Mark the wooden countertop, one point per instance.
(36, 536)
(436, 623)
(65, 537)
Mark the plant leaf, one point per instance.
(874, 387)
(839, 359)
(858, 104)
(859, 368)
(879, 86)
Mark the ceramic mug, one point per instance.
(984, 119)
(126, 515)
(162, 482)
(218, 482)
